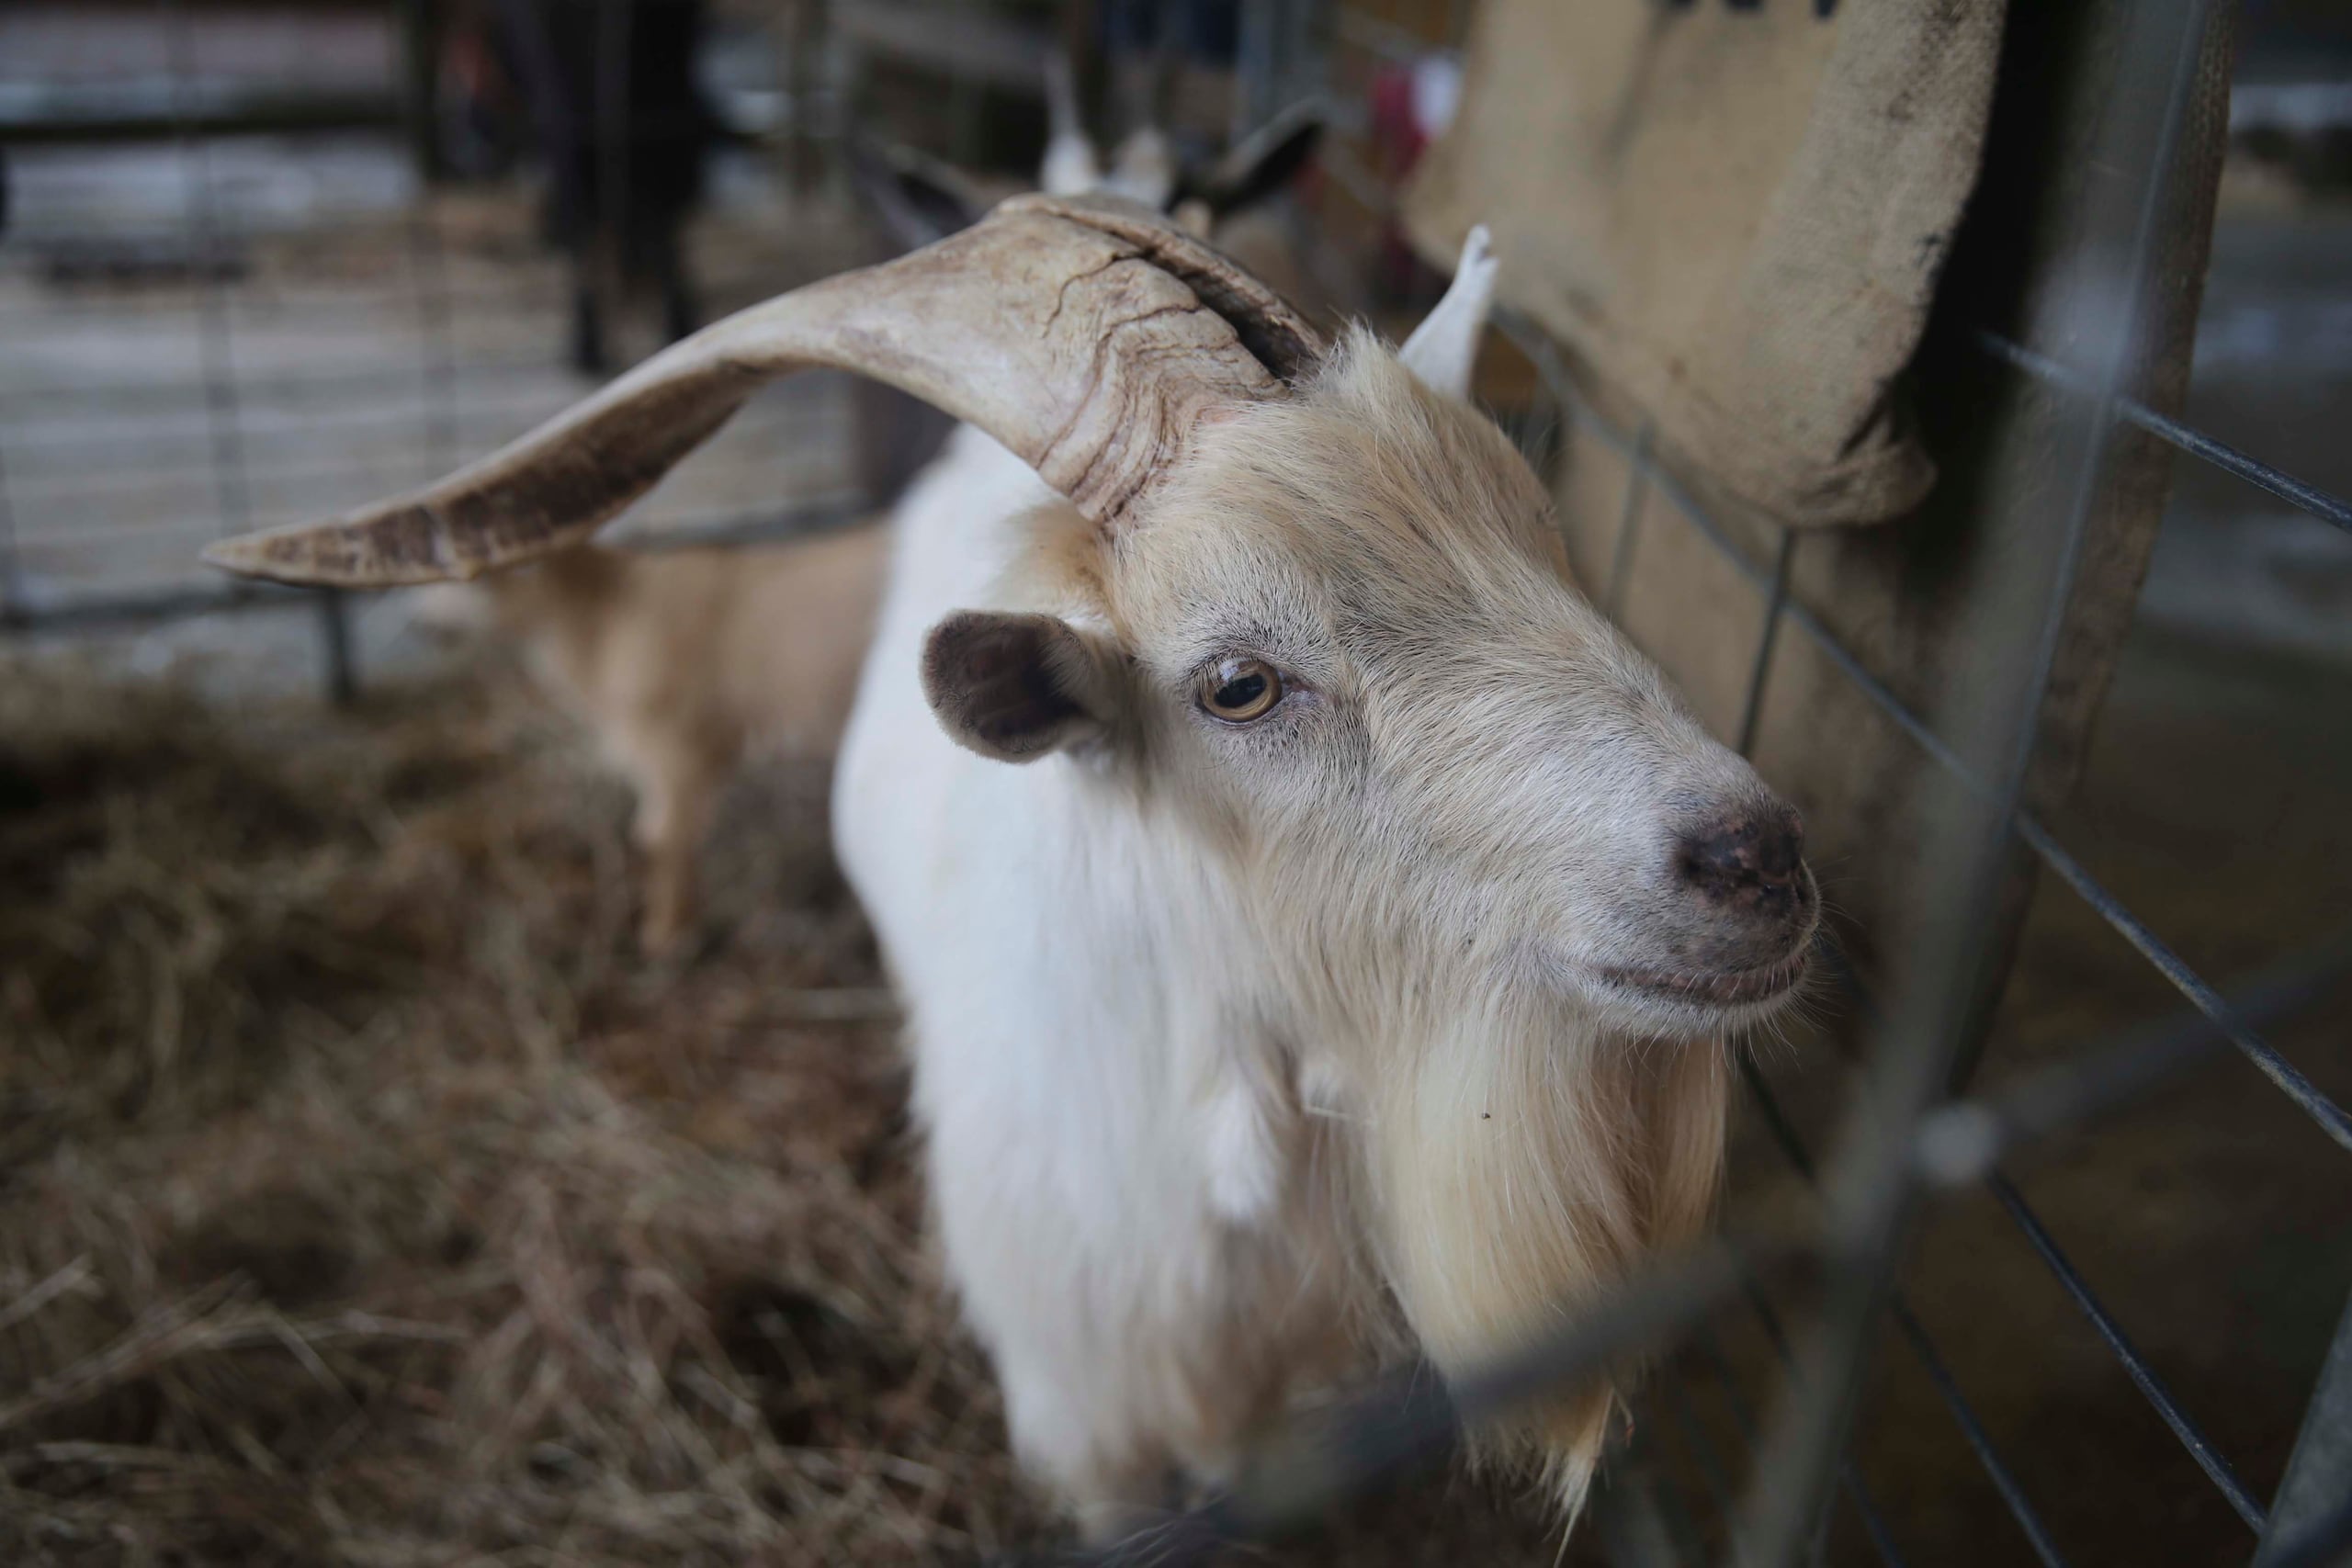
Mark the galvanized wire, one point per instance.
(2167, 1405)
(2308, 498)
(1980, 1442)
(1771, 584)
(1914, 1334)
(1412, 1418)
(1759, 669)
(1936, 1151)
(216, 341)
(1850, 1476)
(1638, 473)
(11, 570)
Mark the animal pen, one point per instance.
(233, 300)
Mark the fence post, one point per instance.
(2315, 1497)
(11, 569)
(335, 648)
(420, 46)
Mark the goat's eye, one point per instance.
(1239, 689)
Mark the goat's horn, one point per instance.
(1089, 336)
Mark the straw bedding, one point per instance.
(365, 1199)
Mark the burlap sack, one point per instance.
(1732, 216)
(2044, 256)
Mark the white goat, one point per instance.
(1351, 952)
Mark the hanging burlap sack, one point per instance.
(2089, 225)
(1733, 216)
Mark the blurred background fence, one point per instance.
(265, 263)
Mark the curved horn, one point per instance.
(1089, 336)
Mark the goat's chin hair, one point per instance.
(1685, 1023)
(1638, 1018)
(1557, 1458)
(1514, 1181)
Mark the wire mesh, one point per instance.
(251, 430)
(225, 314)
(1956, 1141)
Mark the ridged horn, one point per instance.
(1088, 336)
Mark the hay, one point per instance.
(366, 1201)
(363, 1198)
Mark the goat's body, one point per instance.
(684, 661)
(1119, 1253)
(1344, 954)
(1158, 1208)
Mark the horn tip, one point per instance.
(244, 555)
(291, 556)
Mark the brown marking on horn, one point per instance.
(1269, 327)
(1089, 337)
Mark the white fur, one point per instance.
(1197, 1132)
(1102, 1147)
(1071, 165)
(1444, 350)
(1143, 169)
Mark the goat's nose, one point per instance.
(1752, 859)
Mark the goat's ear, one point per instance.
(947, 203)
(918, 199)
(1014, 687)
(1143, 170)
(1072, 164)
(1261, 164)
(1444, 350)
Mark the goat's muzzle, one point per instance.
(1751, 906)
(1749, 863)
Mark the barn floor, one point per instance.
(371, 1202)
(368, 1200)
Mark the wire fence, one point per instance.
(226, 312)
(258, 436)
(1905, 1141)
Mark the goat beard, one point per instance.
(1519, 1166)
